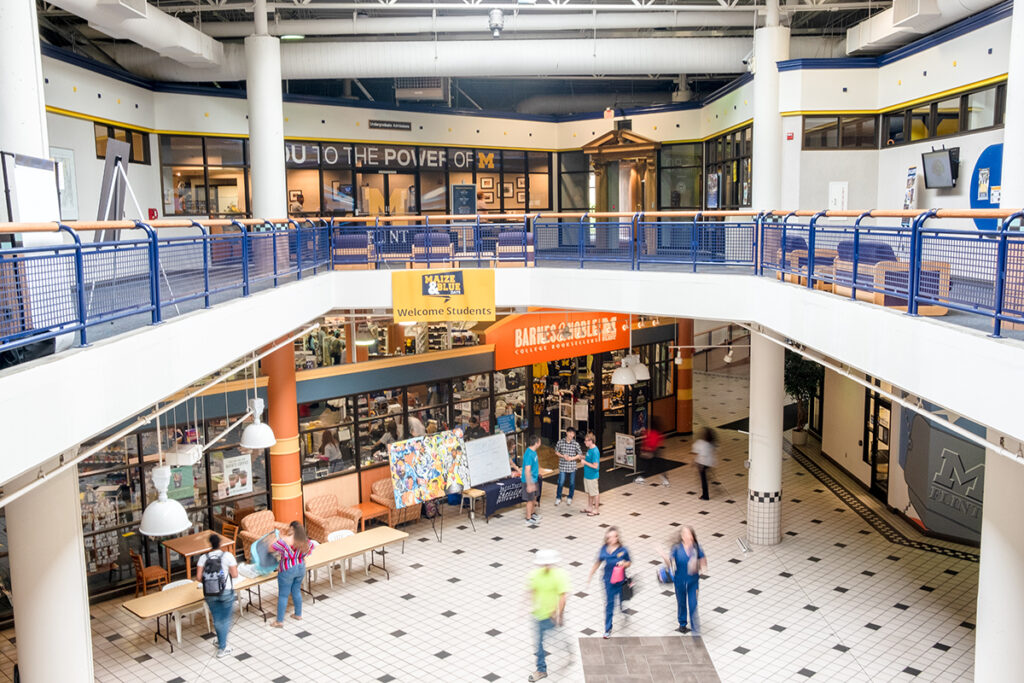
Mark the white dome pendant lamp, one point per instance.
(257, 435)
(164, 517)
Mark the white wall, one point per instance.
(842, 429)
(858, 168)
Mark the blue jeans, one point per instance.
(543, 626)
(686, 595)
(562, 477)
(289, 582)
(611, 592)
(221, 607)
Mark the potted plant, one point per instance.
(801, 382)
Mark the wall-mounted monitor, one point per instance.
(940, 168)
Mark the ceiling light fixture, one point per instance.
(164, 517)
(293, 36)
(257, 435)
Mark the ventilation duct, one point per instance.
(523, 58)
(908, 20)
(577, 104)
(147, 26)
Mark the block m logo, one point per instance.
(954, 476)
(485, 160)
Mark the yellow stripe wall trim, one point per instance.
(959, 90)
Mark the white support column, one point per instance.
(51, 598)
(771, 44)
(998, 655)
(23, 115)
(764, 480)
(266, 126)
(1013, 133)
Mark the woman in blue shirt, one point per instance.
(688, 558)
(613, 554)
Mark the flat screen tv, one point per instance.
(939, 169)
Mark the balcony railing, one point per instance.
(922, 262)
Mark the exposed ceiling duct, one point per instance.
(576, 104)
(908, 20)
(524, 58)
(525, 23)
(141, 23)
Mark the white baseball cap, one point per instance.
(546, 557)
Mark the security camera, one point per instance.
(496, 22)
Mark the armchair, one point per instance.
(441, 250)
(255, 525)
(324, 516)
(383, 493)
(353, 251)
(883, 279)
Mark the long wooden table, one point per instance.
(192, 545)
(165, 603)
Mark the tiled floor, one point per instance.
(834, 601)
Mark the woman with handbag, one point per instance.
(615, 557)
(686, 559)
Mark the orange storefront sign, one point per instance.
(538, 337)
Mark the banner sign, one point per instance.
(442, 295)
(390, 125)
(544, 336)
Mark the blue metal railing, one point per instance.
(923, 267)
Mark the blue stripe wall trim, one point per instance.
(1003, 10)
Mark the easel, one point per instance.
(439, 505)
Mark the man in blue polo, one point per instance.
(531, 480)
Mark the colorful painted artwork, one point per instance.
(423, 467)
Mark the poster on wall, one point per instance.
(625, 451)
(712, 198)
(65, 159)
(983, 179)
(238, 474)
(183, 483)
(910, 193)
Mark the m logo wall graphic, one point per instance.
(445, 285)
(485, 159)
(956, 477)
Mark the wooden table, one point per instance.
(371, 510)
(193, 544)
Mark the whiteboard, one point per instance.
(32, 184)
(488, 459)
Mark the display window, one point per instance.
(204, 176)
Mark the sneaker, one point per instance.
(568, 502)
(537, 675)
(535, 517)
(529, 522)
(607, 635)
(558, 501)
(638, 480)
(664, 480)
(221, 654)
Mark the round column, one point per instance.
(998, 655)
(283, 418)
(684, 377)
(50, 595)
(266, 126)
(771, 44)
(764, 480)
(23, 116)
(1013, 133)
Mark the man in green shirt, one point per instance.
(548, 586)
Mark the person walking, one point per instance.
(615, 558)
(688, 560)
(216, 572)
(531, 480)
(591, 473)
(548, 585)
(569, 454)
(705, 450)
(291, 550)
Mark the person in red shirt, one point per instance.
(649, 445)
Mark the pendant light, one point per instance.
(164, 517)
(257, 435)
(623, 376)
(633, 362)
(365, 336)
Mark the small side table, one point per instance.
(370, 510)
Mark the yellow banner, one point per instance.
(442, 295)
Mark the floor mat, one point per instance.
(788, 420)
(680, 658)
(621, 476)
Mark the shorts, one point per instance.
(530, 496)
(590, 486)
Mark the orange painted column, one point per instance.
(684, 377)
(283, 418)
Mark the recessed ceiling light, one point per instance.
(293, 36)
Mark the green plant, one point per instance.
(802, 377)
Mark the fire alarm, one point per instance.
(789, 136)
(153, 215)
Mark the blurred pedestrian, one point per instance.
(705, 450)
(686, 559)
(548, 586)
(616, 559)
(291, 550)
(216, 572)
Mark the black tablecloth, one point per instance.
(503, 493)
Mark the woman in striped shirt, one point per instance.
(291, 550)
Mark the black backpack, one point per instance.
(215, 579)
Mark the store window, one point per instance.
(821, 132)
(727, 180)
(981, 109)
(947, 117)
(839, 132)
(574, 181)
(679, 169)
(138, 142)
(472, 407)
(858, 132)
(204, 176)
(975, 110)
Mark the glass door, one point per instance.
(386, 194)
(879, 415)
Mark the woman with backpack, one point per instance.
(216, 572)
(291, 550)
(686, 561)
